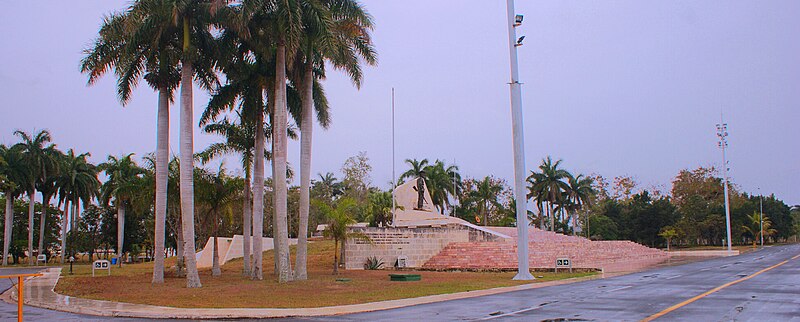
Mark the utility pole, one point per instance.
(722, 133)
(455, 191)
(523, 270)
(761, 210)
(394, 177)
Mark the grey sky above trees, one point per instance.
(615, 88)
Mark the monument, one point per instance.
(417, 233)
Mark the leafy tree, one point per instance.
(218, 192)
(603, 228)
(336, 32)
(18, 242)
(239, 139)
(41, 159)
(755, 227)
(338, 221)
(548, 186)
(77, 181)
(483, 201)
(357, 180)
(122, 174)
(579, 193)
(14, 171)
(669, 233)
(379, 209)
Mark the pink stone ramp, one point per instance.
(545, 247)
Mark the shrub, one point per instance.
(373, 263)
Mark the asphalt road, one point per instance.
(758, 286)
(772, 295)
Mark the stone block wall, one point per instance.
(418, 244)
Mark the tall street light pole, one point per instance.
(394, 177)
(523, 270)
(722, 133)
(761, 210)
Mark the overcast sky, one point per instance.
(611, 87)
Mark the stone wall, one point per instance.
(418, 244)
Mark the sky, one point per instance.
(617, 88)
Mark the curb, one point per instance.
(54, 301)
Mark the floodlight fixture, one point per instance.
(518, 20)
(519, 41)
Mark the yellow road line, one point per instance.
(689, 301)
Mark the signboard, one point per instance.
(402, 261)
(563, 263)
(41, 258)
(101, 264)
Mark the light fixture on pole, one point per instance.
(523, 270)
(722, 133)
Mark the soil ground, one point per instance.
(132, 284)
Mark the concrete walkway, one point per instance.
(39, 292)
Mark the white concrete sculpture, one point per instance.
(229, 248)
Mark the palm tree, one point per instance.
(417, 169)
(338, 220)
(548, 185)
(286, 25)
(143, 40)
(277, 26)
(218, 194)
(579, 192)
(329, 187)
(240, 139)
(443, 181)
(41, 159)
(77, 180)
(121, 185)
(485, 196)
(338, 33)
(249, 73)
(48, 187)
(13, 173)
(754, 226)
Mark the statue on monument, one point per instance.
(420, 188)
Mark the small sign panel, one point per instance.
(563, 263)
(101, 264)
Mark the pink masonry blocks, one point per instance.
(545, 247)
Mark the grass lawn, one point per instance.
(132, 284)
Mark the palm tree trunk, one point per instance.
(187, 166)
(45, 207)
(120, 230)
(64, 226)
(215, 271)
(247, 222)
(335, 257)
(258, 199)
(162, 164)
(275, 241)
(180, 263)
(552, 218)
(279, 157)
(31, 204)
(306, 128)
(9, 222)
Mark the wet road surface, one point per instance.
(772, 295)
(759, 286)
